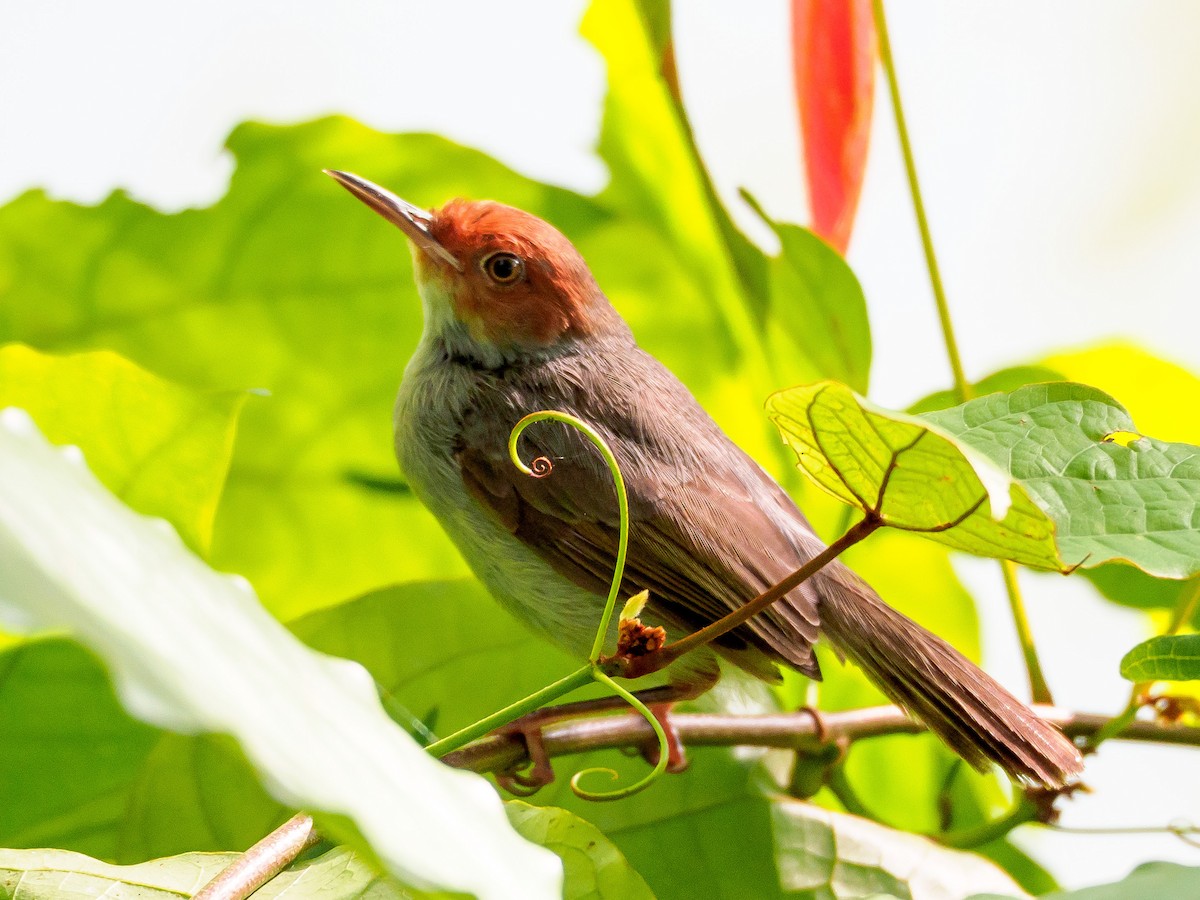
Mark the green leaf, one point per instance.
(464, 638)
(1113, 494)
(1171, 657)
(185, 644)
(818, 303)
(161, 448)
(1149, 880)
(593, 869)
(826, 854)
(1005, 380)
(911, 474)
(690, 263)
(70, 755)
(62, 875)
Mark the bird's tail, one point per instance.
(952, 696)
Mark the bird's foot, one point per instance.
(522, 781)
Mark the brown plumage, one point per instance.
(515, 323)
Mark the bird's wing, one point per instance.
(709, 530)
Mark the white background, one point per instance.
(1058, 144)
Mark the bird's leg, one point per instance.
(529, 728)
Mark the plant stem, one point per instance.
(961, 387)
(840, 786)
(1186, 609)
(1038, 689)
(966, 838)
(263, 861)
(790, 731)
(709, 633)
(534, 701)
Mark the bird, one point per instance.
(515, 323)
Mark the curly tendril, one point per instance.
(540, 468)
(645, 781)
(539, 471)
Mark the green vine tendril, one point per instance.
(540, 467)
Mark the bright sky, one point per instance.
(1059, 147)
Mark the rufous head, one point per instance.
(510, 280)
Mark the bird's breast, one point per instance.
(435, 397)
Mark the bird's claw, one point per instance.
(540, 772)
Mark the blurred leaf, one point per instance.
(593, 868)
(1171, 657)
(1149, 881)
(192, 792)
(658, 85)
(1113, 494)
(706, 831)
(422, 642)
(1130, 586)
(833, 65)
(998, 382)
(819, 304)
(1025, 870)
(62, 875)
(69, 755)
(913, 476)
(184, 642)
(824, 854)
(162, 449)
(1156, 392)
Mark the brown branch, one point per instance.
(796, 731)
(263, 861)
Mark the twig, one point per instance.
(961, 386)
(1039, 690)
(795, 731)
(639, 666)
(263, 861)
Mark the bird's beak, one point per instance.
(412, 220)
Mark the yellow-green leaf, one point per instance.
(162, 448)
(911, 475)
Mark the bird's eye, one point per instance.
(504, 268)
